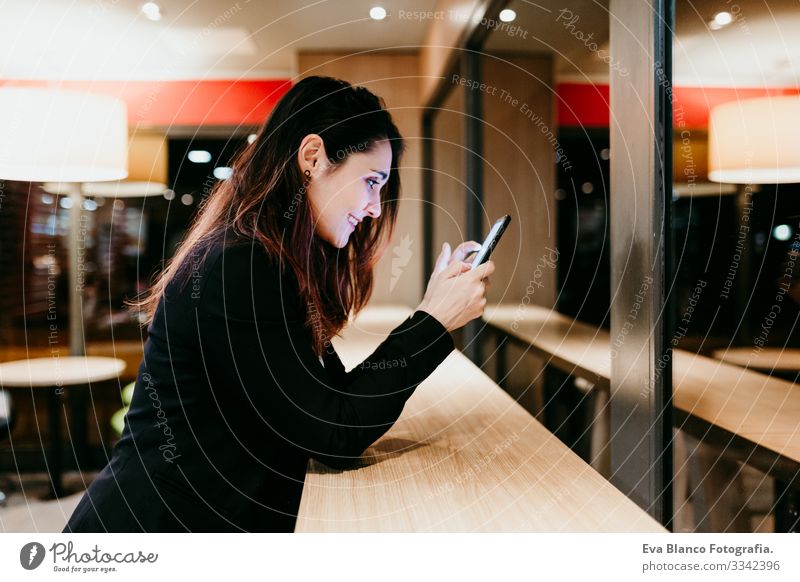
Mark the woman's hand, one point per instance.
(456, 293)
(462, 250)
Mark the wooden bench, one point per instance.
(754, 417)
(464, 456)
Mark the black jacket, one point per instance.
(231, 402)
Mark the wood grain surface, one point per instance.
(760, 408)
(463, 457)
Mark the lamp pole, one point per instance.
(76, 246)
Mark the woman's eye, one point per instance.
(372, 183)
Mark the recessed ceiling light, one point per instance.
(377, 13)
(720, 20)
(199, 156)
(782, 232)
(507, 15)
(187, 199)
(151, 10)
(223, 172)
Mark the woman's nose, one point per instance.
(374, 208)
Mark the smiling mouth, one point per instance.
(353, 220)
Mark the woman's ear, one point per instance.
(311, 154)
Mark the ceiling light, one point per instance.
(151, 11)
(187, 199)
(377, 13)
(782, 232)
(223, 172)
(720, 20)
(199, 156)
(507, 15)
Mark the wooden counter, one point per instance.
(573, 347)
(463, 457)
(767, 360)
(753, 415)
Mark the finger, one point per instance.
(443, 260)
(456, 268)
(464, 249)
(484, 270)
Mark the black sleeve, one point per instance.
(253, 339)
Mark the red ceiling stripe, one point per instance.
(586, 105)
(249, 102)
(194, 103)
(582, 105)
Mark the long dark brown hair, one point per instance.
(265, 199)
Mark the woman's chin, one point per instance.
(341, 242)
(345, 238)
(338, 242)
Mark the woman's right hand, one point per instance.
(456, 293)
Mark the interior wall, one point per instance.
(519, 179)
(520, 175)
(448, 198)
(442, 36)
(395, 77)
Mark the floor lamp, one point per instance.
(147, 172)
(68, 137)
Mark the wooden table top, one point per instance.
(766, 359)
(463, 457)
(568, 344)
(762, 409)
(60, 371)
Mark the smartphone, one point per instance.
(490, 242)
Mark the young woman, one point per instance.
(240, 384)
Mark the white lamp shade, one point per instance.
(147, 171)
(62, 136)
(755, 141)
